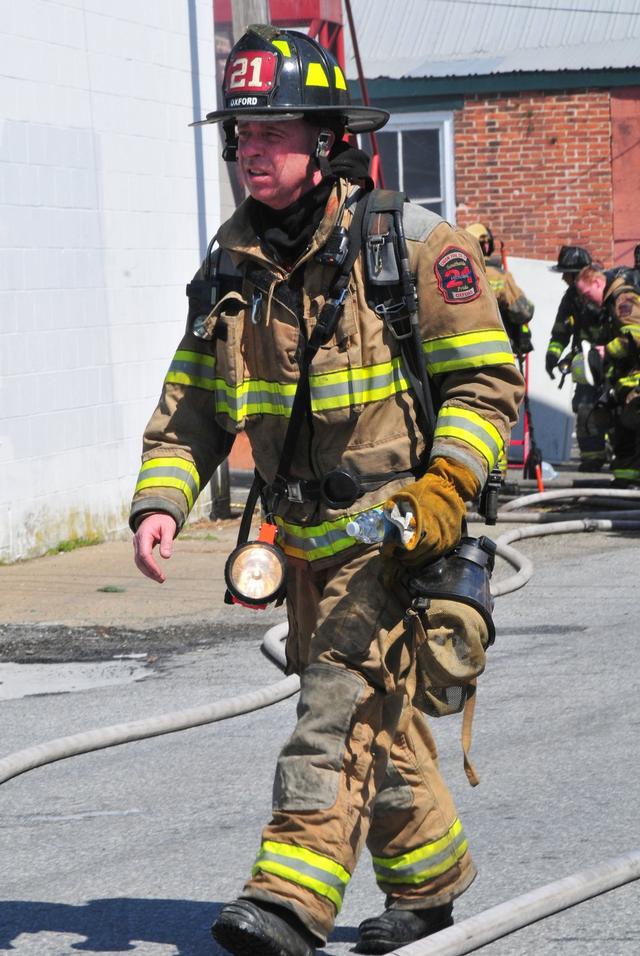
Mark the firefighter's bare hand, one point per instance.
(155, 529)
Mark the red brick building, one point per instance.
(543, 166)
(519, 113)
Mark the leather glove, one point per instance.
(550, 362)
(437, 501)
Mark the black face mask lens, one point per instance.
(340, 489)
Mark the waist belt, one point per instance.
(337, 489)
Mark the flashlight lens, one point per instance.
(255, 572)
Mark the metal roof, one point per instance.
(436, 38)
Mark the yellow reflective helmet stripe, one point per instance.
(304, 867)
(316, 75)
(283, 46)
(166, 472)
(425, 863)
(341, 83)
(469, 427)
(468, 350)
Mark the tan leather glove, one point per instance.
(437, 501)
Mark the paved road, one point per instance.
(133, 849)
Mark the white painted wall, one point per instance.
(106, 199)
(553, 420)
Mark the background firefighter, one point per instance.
(579, 321)
(618, 296)
(360, 765)
(515, 308)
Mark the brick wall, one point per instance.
(536, 167)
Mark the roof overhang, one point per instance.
(408, 94)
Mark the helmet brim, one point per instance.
(357, 119)
(562, 270)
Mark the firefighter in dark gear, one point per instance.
(515, 308)
(360, 767)
(619, 298)
(577, 330)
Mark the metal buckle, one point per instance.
(294, 491)
(376, 242)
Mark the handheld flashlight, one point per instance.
(255, 573)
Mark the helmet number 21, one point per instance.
(251, 73)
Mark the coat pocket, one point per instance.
(226, 322)
(338, 380)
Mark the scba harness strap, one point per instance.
(391, 293)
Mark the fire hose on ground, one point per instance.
(469, 935)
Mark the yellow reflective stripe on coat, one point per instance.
(468, 426)
(168, 472)
(192, 368)
(628, 381)
(358, 385)
(313, 542)
(342, 388)
(468, 350)
(425, 863)
(556, 348)
(250, 397)
(304, 867)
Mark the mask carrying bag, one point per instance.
(452, 626)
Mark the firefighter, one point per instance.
(618, 295)
(360, 766)
(515, 308)
(579, 328)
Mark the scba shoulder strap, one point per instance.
(391, 292)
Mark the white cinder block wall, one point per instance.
(107, 199)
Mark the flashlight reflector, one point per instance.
(255, 573)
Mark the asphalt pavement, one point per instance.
(134, 849)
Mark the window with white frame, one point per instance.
(416, 152)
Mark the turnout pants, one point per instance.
(625, 437)
(590, 432)
(361, 765)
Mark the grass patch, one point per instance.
(72, 544)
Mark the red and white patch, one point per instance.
(457, 282)
(251, 71)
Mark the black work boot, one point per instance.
(394, 928)
(246, 928)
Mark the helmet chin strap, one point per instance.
(230, 150)
(324, 143)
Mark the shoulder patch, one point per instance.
(419, 222)
(457, 282)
